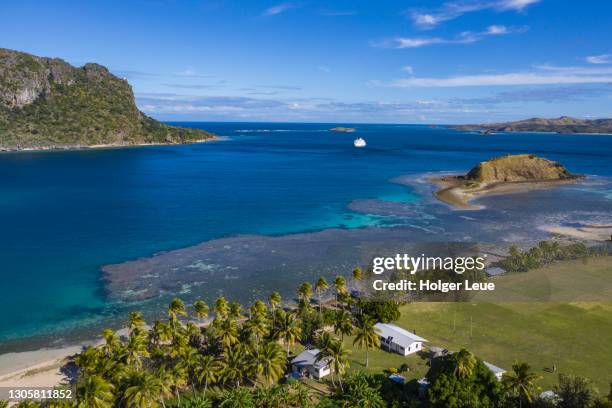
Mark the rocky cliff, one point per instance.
(520, 167)
(48, 103)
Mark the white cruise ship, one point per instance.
(359, 142)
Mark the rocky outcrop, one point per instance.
(520, 167)
(342, 129)
(48, 103)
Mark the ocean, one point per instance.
(65, 215)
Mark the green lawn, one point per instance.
(566, 321)
(380, 360)
(575, 336)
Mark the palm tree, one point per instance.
(269, 362)
(228, 332)
(300, 394)
(367, 336)
(320, 286)
(357, 274)
(288, 329)
(221, 307)
(235, 310)
(275, 300)
(201, 309)
(465, 363)
(135, 349)
(94, 392)
(176, 308)
(258, 309)
(208, 370)
(364, 397)
(166, 380)
(27, 404)
(305, 292)
(145, 392)
(135, 320)
(178, 380)
(340, 286)
(343, 324)
(257, 326)
(198, 401)
(337, 357)
(190, 361)
(233, 365)
(521, 382)
(238, 398)
(324, 339)
(161, 332)
(111, 342)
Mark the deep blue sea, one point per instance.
(64, 215)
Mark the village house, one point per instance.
(498, 372)
(306, 364)
(395, 339)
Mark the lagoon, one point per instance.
(66, 215)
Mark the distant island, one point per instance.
(46, 103)
(501, 175)
(563, 124)
(342, 129)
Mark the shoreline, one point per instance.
(589, 232)
(44, 367)
(69, 148)
(452, 190)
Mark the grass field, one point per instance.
(567, 322)
(575, 336)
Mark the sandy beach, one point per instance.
(585, 232)
(44, 367)
(39, 368)
(214, 138)
(454, 191)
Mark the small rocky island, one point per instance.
(342, 129)
(502, 175)
(46, 103)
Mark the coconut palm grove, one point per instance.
(232, 355)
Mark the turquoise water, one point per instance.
(63, 215)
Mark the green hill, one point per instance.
(48, 103)
(563, 124)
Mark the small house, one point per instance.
(307, 364)
(395, 339)
(498, 372)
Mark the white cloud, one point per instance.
(408, 69)
(452, 10)
(466, 37)
(548, 76)
(324, 68)
(427, 19)
(517, 5)
(416, 42)
(497, 30)
(599, 59)
(278, 9)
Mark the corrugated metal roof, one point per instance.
(309, 358)
(399, 336)
(494, 369)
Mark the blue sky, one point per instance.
(336, 61)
